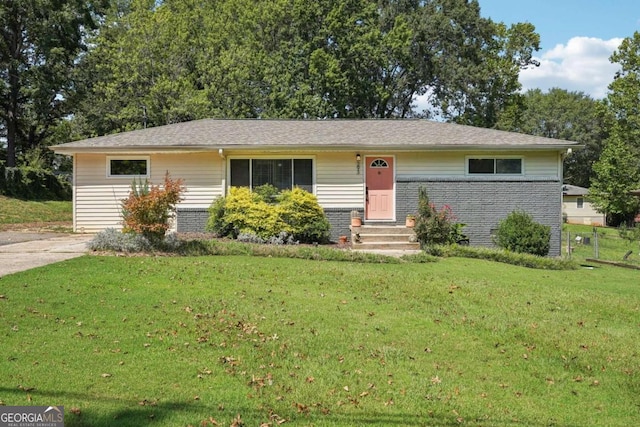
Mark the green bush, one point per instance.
(300, 210)
(518, 232)
(243, 212)
(30, 183)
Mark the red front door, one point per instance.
(380, 193)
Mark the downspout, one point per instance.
(74, 198)
(563, 155)
(223, 192)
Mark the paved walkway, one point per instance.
(23, 251)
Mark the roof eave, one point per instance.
(70, 150)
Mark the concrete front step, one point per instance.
(383, 229)
(389, 246)
(383, 237)
(368, 238)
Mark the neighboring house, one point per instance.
(577, 209)
(374, 166)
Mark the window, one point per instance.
(580, 202)
(284, 174)
(379, 163)
(494, 166)
(127, 166)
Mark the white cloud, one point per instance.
(580, 65)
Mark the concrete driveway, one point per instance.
(22, 251)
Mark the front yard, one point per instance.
(237, 340)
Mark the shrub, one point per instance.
(30, 183)
(269, 193)
(300, 210)
(435, 227)
(216, 223)
(149, 208)
(246, 215)
(518, 232)
(111, 239)
(244, 212)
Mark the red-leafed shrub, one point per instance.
(149, 208)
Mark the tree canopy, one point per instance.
(40, 41)
(617, 172)
(566, 115)
(155, 63)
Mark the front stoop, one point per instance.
(383, 237)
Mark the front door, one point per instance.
(379, 192)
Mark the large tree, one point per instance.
(40, 41)
(618, 170)
(184, 59)
(617, 173)
(561, 114)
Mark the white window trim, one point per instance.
(467, 158)
(273, 157)
(146, 158)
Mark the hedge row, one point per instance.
(33, 184)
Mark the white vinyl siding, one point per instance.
(453, 164)
(338, 184)
(337, 181)
(97, 198)
(586, 214)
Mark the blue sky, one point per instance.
(577, 38)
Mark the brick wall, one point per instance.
(482, 204)
(194, 220)
(191, 220)
(478, 204)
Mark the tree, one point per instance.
(561, 114)
(184, 59)
(40, 40)
(618, 170)
(617, 173)
(624, 91)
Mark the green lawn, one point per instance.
(47, 213)
(171, 341)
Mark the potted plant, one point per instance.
(410, 221)
(356, 219)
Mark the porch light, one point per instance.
(358, 159)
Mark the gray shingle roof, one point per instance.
(312, 134)
(574, 190)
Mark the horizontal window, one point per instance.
(494, 166)
(283, 174)
(126, 167)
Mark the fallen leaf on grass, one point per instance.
(105, 375)
(237, 422)
(74, 410)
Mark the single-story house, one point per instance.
(577, 209)
(373, 166)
